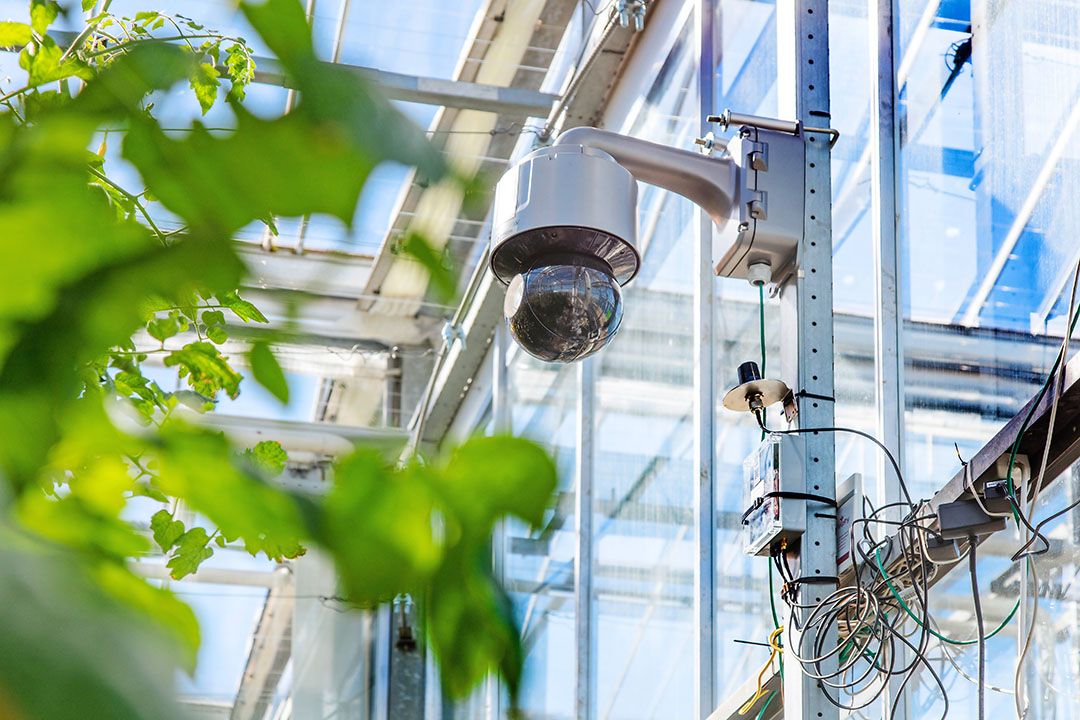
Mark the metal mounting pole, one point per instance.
(807, 316)
(888, 308)
(585, 627)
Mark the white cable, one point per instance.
(969, 483)
(1018, 697)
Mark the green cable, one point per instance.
(761, 324)
(768, 701)
(772, 592)
(935, 633)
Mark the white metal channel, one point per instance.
(807, 313)
(705, 405)
(888, 310)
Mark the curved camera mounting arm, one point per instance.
(709, 182)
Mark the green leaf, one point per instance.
(74, 523)
(436, 263)
(208, 370)
(337, 97)
(88, 5)
(156, 603)
(42, 14)
(241, 308)
(465, 601)
(268, 456)
(166, 530)
(202, 468)
(14, 34)
(56, 620)
(121, 87)
(190, 552)
(163, 328)
(44, 62)
(490, 476)
(241, 70)
(378, 526)
(217, 334)
(204, 81)
(301, 167)
(267, 371)
(213, 317)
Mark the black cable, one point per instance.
(979, 626)
(892, 460)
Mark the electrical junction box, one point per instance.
(849, 499)
(775, 466)
(767, 217)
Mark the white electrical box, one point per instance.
(768, 221)
(776, 466)
(849, 501)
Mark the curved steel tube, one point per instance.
(708, 182)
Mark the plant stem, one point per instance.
(186, 38)
(134, 201)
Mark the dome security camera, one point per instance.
(564, 234)
(564, 229)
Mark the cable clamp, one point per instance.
(789, 591)
(788, 495)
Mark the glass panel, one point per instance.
(989, 242)
(539, 566)
(747, 83)
(854, 301)
(988, 168)
(644, 490)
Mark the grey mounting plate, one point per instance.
(768, 203)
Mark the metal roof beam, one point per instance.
(433, 91)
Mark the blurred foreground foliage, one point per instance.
(93, 288)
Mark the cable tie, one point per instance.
(815, 396)
(786, 495)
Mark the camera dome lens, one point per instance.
(564, 308)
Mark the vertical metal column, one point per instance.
(502, 423)
(705, 403)
(889, 313)
(406, 673)
(889, 309)
(807, 316)
(584, 625)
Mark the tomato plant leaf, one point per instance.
(42, 14)
(267, 456)
(166, 529)
(190, 551)
(57, 619)
(207, 369)
(204, 81)
(14, 34)
(267, 372)
(241, 308)
(490, 476)
(396, 551)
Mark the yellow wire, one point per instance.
(760, 692)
